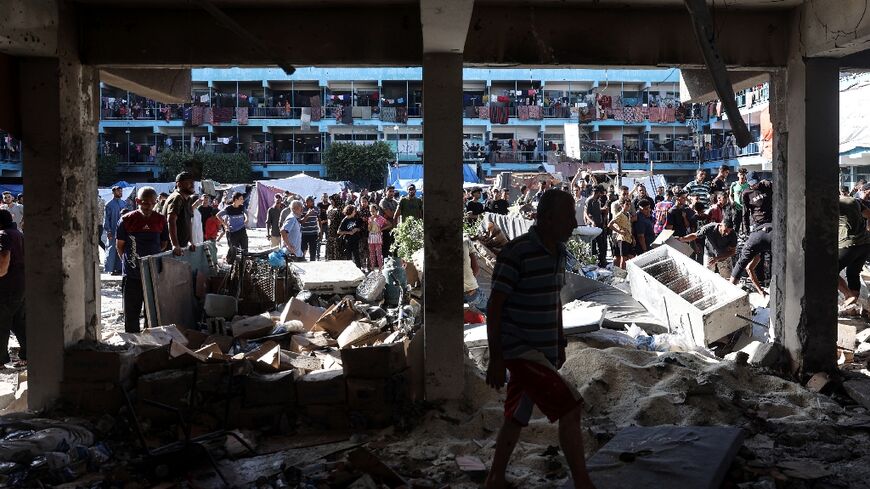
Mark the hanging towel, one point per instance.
(207, 115)
(306, 117)
(535, 112)
(483, 112)
(316, 113)
(242, 115)
(338, 113)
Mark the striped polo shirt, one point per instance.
(702, 190)
(532, 279)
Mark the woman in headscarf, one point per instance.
(334, 216)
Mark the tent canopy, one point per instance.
(300, 184)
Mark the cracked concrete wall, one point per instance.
(59, 107)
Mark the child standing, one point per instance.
(377, 225)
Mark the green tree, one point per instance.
(107, 170)
(407, 238)
(364, 165)
(221, 167)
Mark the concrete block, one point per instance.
(300, 343)
(859, 390)
(321, 387)
(767, 355)
(332, 277)
(846, 336)
(224, 306)
(691, 299)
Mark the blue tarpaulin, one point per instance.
(121, 184)
(405, 173)
(10, 187)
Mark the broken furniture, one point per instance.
(691, 299)
(173, 284)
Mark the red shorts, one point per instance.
(532, 384)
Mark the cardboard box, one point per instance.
(301, 311)
(98, 366)
(321, 387)
(153, 360)
(377, 394)
(93, 397)
(270, 389)
(371, 362)
(195, 339)
(170, 387)
(300, 343)
(326, 416)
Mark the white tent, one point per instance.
(854, 117)
(300, 184)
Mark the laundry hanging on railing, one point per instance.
(305, 118)
(523, 112)
(242, 115)
(402, 115)
(222, 115)
(498, 115)
(536, 113)
(483, 112)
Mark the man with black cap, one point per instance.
(114, 209)
(179, 213)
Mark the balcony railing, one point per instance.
(728, 152)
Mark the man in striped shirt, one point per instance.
(700, 188)
(524, 326)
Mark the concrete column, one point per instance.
(59, 101)
(807, 213)
(442, 214)
(779, 252)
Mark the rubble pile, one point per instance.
(321, 362)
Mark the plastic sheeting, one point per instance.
(265, 190)
(622, 309)
(415, 172)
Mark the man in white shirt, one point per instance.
(14, 208)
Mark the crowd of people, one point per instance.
(712, 216)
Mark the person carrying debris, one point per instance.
(141, 233)
(524, 328)
(720, 244)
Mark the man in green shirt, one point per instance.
(735, 192)
(409, 206)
